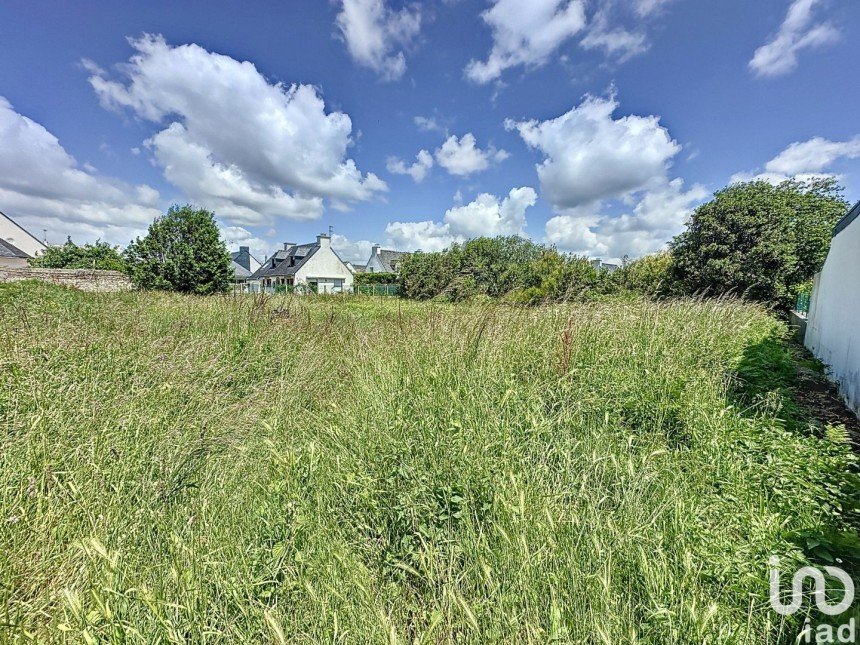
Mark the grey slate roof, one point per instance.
(243, 257)
(845, 221)
(286, 262)
(389, 257)
(9, 250)
(239, 272)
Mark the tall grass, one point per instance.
(180, 469)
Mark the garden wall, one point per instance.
(83, 279)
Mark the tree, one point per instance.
(758, 240)
(100, 255)
(182, 251)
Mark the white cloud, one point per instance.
(526, 33)
(803, 160)
(351, 251)
(487, 215)
(797, 32)
(250, 150)
(647, 7)
(427, 124)
(590, 156)
(814, 155)
(43, 187)
(236, 236)
(462, 156)
(657, 216)
(375, 34)
(418, 170)
(614, 41)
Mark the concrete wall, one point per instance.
(833, 328)
(83, 279)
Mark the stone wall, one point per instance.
(83, 279)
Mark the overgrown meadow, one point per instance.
(360, 470)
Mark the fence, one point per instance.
(802, 304)
(389, 290)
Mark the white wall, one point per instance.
(833, 330)
(374, 263)
(16, 235)
(323, 267)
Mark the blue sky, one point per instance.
(594, 126)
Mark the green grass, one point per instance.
(315, 469)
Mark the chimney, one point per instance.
(244, 249)
(375, 249)
(288, 245)
(324, 241)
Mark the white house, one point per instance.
(833, 326)
(314, 265)
(16, 244)
(384, 261)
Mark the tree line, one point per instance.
(755, 240)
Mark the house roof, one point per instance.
(846, 221)
(243, 258)
(9, 250)
(33, 238)
(239, 271)
(300, 253)
(389, 257)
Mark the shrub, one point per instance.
(100, 255)
(650, 275)
(375, 278)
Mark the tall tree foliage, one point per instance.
(758, 240)
(99, 255)
(183, 251)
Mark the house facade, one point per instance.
(833, 325)
(244, 264)
(314, 265)
(17, 245)
(383, 260)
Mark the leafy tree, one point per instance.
(650, 275)
(100, 255)
(758, 240)
(182, 251)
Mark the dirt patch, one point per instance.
(820, 396)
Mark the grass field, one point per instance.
(179, 469)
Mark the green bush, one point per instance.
(99, 255)
(375, 278)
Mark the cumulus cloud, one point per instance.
(236, 236)
(375, 34)
(608, 181)
(350, 250)
(251, 150)
(658, 215)
(815, 155)
(798, 31)
(486, 215)
(590, 156)
(418, 170)
(43, 187)
(526, 33)
(804, 160)
(462, 156)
